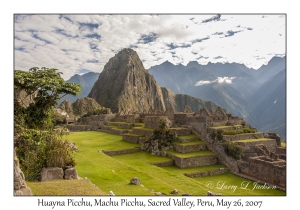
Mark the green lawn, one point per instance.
(191, 136)
(114, 173)
(100, 141)
(221, 127)
(176, 170)
(189, 143)
(64, 187)
(283, 144)
(254, 140)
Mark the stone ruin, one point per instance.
(264, 160)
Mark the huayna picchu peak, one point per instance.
(126, 86)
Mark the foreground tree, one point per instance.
(45, 86)
(36, 142)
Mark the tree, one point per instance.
(36, 143)
(46, 86)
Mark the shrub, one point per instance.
(162, 135)
(217, 136)
(37, 149)
(232, 149)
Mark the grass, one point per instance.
(144, 128)
(100, 141)
(65, 187)
(221, 127)
(283, 144)
(191, 154)
(176, 170)
(226, 183)
(114, 173)
(189, 143)
(191, 136)
(253, 140)
(144, 157)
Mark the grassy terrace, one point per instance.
(189, 143)
(114, 173)
(221, 127)
(144, 128)
(191, 154)
(191, 136)
(283, 144)
(254, 140)
(100, 141)
(176, 170)
(65, 187)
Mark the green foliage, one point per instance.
(97, 112)
(37, 145)
(163, 135)
(232, 149)
(47, 86)
(37, 149)
(235, 132)
(57, 119)
(217, 136)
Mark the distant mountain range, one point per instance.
(126, 86)
(86, 81)
(258, 96)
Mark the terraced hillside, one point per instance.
(111, 159)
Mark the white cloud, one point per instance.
(62, 42)
(219, 80)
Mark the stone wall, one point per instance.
(142, 132)
(272, 172)
(189, 148)
(154, 121)
(199, 124)
(281, 150)
(120, 152)
(243, 136)
(182, 131)
(207, 173)
(162, 164)
(131, 138)
(180, 118)
(218, 149)
(75, 128)
(194, 161)
(269, 144)
(20, 187)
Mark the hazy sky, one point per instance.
(81, 43)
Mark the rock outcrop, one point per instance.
(20, 187)
(125, 86)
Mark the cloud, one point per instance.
(214, 18)
(219, 80)
(70, 42)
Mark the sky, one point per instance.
(76, 44)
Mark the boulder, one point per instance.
(135, 180)
(175, 191)
(52, 173)
(70, 173)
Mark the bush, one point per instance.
(232, 149)
(162, 135)
(37, 149)
(217, 136)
